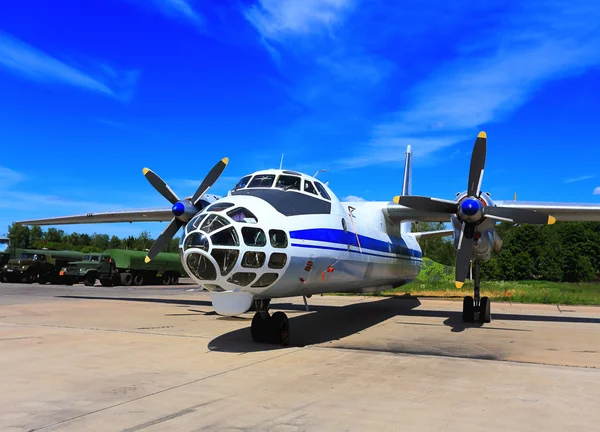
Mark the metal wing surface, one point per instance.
(136, 215)
(570, 212)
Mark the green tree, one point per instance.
(19, 236)
(115, 243)
(54, 235)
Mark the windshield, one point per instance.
(242, 183)
(33, 256)
(262, 181)
(288, 182)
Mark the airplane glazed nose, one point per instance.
(229, 247)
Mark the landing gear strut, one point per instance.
(476, 308)
(267, 328)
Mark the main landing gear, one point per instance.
(274, 329)
(476, 309)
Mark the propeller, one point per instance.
(472, 210)
(183, 210)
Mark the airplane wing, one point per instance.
(137, 215)
(398, 213)
(561, 211)
(431, 234)
(570, 212)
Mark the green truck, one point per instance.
(35, 265)
(124, 267)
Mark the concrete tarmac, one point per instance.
(155, 358)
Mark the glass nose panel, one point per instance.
(201, 267)
(277, 260)
(254, 236)
(253, 259)
(242, 279)
(196, 240)
(265, 280)
(226, 259)
(226, 237)
(213, 223)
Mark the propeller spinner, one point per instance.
(183, 210)
(471, 210)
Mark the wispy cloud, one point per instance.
(277, 19)
(9, 177)
(489, 80)
(32, 63)
(577, 179)
(597, 191)
(176, 9)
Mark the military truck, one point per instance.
(36, 265)
(124, 267)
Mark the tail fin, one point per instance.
(407, 184)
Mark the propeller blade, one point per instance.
(477, 165)
(518, 215)
(163, 240)
(464, 253)
(210, 179)
(160, 185)
(426, 203)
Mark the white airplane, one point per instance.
(281, 233)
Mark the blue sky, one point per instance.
(91, 95)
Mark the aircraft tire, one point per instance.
(279, 327)
(260, 327)
(468, 309)
(485, 315)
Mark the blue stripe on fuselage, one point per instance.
(396, 245)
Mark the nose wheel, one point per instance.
(476, 308)
(266, 328)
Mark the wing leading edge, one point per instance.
(568, 212)
(137, 215)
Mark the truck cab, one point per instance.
(28, 268)
(91, 267)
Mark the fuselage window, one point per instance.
(265, 180)
(254, 236)
(287, 182)
(226, 237)
(253, 259)
(344, 226)
(308, 187)
(213, 223)
(219, 206)
(322, 190)
(242, 214)
(242, 183)
(277, 260)
(278, 238)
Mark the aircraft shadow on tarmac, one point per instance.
(329, 323)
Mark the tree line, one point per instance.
(52, 238)
(563, 252)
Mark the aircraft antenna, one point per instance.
(281, 163)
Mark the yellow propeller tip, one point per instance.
(145, 170)
(482, 134)
(551, 220)
(397, 199)
(459, 284)
(225, 160)
(147, 259)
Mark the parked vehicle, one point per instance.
(124, 267)
(36, 265)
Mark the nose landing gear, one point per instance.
(268, 328)
(476, 307)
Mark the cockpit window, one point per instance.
(194, 223)
(262, 180)
(287, 182)
(213, 222)
(226, 237)
(242, 183)
(242, 214)
(322, 190)
(219, 206)
(196, 240)
(308, 187)
(254, 236)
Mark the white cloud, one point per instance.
(275, 19)
(179, 8)
(597, 191)
(31, 63)
(353, 198)
(487, 82)
(9, 177)
(576, 179)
